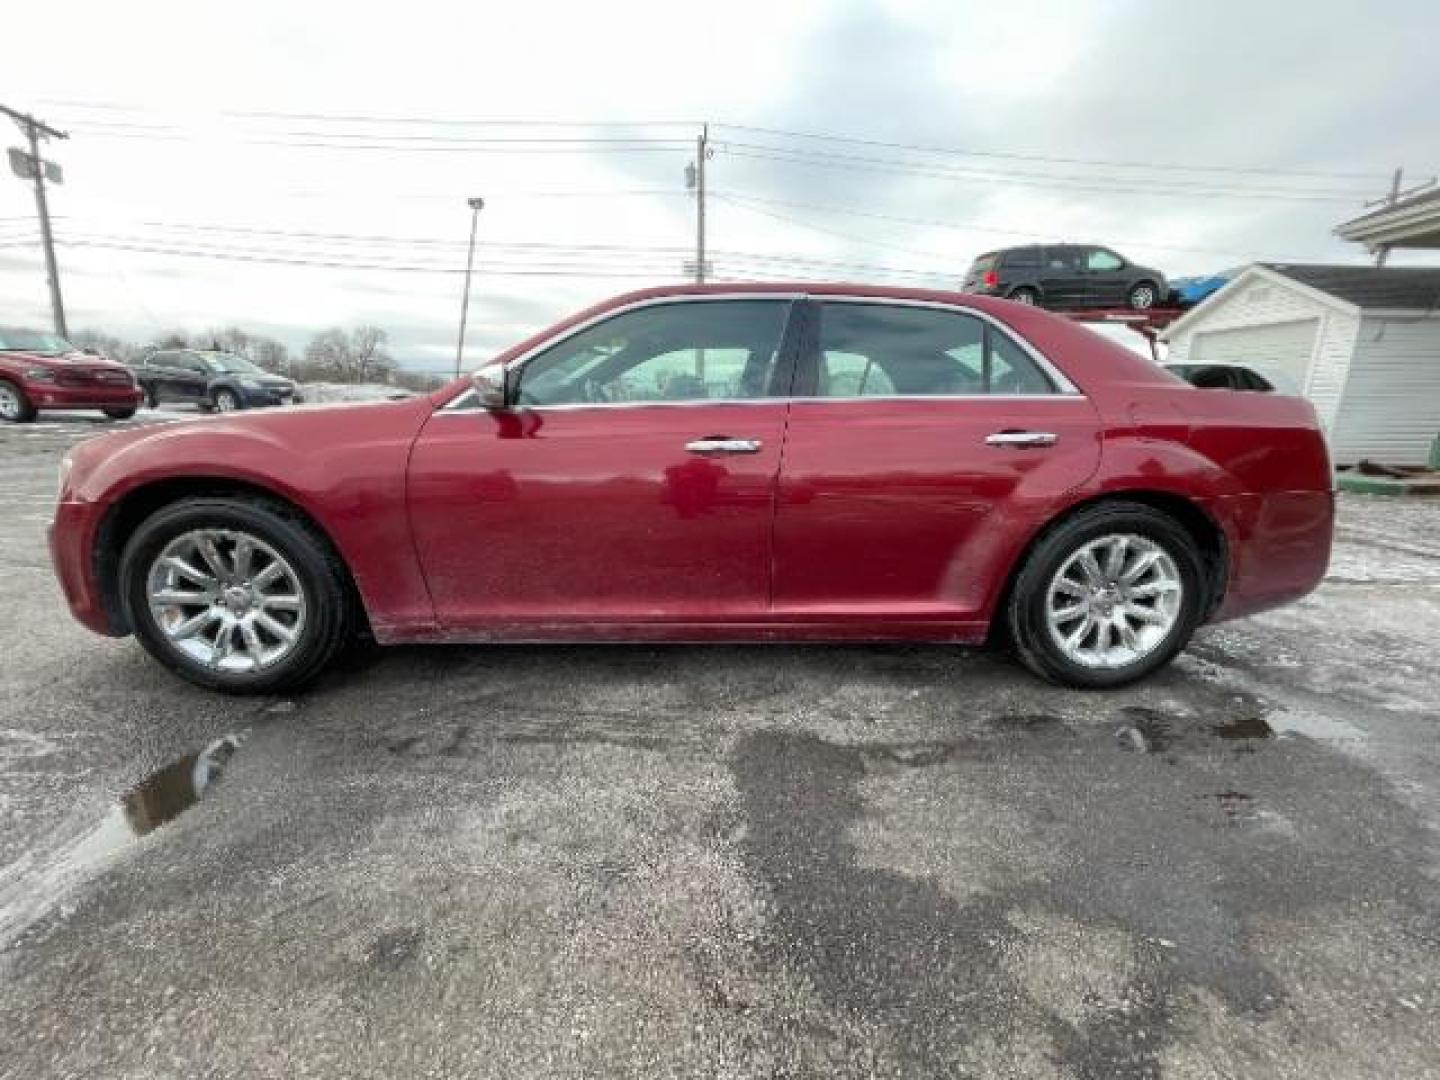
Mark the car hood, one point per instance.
(66, 362)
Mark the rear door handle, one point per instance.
(720, 444)
(1022, 438)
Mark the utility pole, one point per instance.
(476, 205)
(1382, 251)
(35, 130)
(702, 149)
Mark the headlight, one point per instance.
(40, 374)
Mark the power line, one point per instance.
(849, 211)
(1050, 160)
(822, 229)
(653, 260)
(774, 132)
(339, 265)
(1087, 184)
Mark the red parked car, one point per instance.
(44, 371)
(704, 463)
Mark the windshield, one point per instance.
(229, 363)
(34, 341)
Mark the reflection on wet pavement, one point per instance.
(32, 885)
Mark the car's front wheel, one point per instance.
(15, 407)
(235, 594)
(227, 401)
(1108, 596)
(1142, 296)
(119, 414)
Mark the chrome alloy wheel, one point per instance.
(9, 403)
(1142, 297)
(1114, 601)
(227, 600)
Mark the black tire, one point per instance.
(17, 408)
(322, 579)
(1025, 295)
(119, 414)
(1143, 295)
(1026, 617)
(228, 401)
(152, 401)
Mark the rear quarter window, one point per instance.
(1022, 257)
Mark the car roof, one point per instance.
(1085, 357)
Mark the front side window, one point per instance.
(881, 350)
(1102, 261)
(713, 350)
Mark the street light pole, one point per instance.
(476, 205)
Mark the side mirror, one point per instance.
(492, 384)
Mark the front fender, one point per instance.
(344, 466)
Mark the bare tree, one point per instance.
(349, 357)
(371, 357)
(271, 355)
(106, 345)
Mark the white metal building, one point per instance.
(1362, 342)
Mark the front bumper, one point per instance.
(71, 538)
(100, 396)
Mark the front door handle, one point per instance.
(1022, 438)
(722, 444)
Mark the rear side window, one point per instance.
(882, 350)
(1026, 256)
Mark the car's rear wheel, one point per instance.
(235, 594)
(1142, 295)
(15, 407)
(119, 414)
(227, 401)
(1024, 295)
(1110, 595)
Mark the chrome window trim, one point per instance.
(524, 358)
(1065, 389)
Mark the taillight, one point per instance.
(991, 279)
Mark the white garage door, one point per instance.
(1278, 347)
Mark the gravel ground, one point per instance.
(739, 862)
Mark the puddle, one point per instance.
(1245, 726)
(34, 883)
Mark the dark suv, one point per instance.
(1066, 276)
(210, 379)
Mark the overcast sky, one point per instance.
(193, 211)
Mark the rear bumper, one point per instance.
(1279, 548)
(51, 396)
(72, 552)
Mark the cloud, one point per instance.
(1262, 86)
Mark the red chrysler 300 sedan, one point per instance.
(739, 463)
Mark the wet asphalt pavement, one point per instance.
(727, 861)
